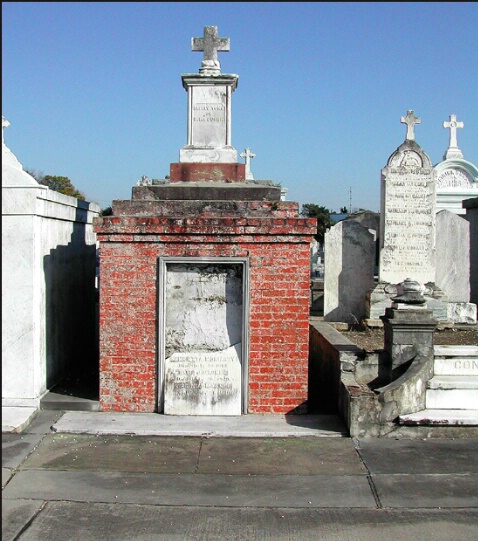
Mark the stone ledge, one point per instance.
(441, 417)
(187, 208)
(16, 419)
(448, 383)
(217, 226)
(452, 351)
(207, 191)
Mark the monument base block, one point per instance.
(215, 172)
(462, 312)
(380, 298)
(207, 191)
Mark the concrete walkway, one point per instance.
(242, 426)
(90, 476)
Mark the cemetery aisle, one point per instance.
(59, 485)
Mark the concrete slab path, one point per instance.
(61, 482)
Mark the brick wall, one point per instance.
(279, 291)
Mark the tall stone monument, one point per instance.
(407, 225)
(209, 117)
(457, 179)
(205, 280)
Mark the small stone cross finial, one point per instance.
(410, 120)
(5, 124)
(210, 44)
(247, 154)
(453, 150)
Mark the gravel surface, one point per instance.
(372, 339)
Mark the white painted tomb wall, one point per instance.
(39, 226)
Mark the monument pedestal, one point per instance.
(408, 327)
(209, 118)
(379, 299)
(200, 192)
(213, 172)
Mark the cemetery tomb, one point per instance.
(457, 179)
(205, 277)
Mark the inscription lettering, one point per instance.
(453, 178)
(209, 112)
(466, 365)
(409, 219)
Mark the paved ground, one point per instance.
(228, 481)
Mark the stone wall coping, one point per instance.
(217, 226)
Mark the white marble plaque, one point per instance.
(209, 116)
(203, 339)
(204, 383)
(408, 225)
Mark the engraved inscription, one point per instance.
(408, 225)
(453, 178)
(466, 365)
(204, 383)
(209, 112)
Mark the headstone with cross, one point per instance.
(410, 120)
(407, 223)
(247, 154)
(210, 44)
(453, 150)
(5, 124)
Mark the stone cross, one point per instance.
(248, 155)
(453, 150)
(5, 124)
(210, 44)
(410, 120)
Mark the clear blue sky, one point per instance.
(93, 90)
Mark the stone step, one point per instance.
(453, 382)
(456, 360)
(58, 401)
(455, 399)
(441, 417)
(459, 351)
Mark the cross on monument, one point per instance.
(5, 124)
(410, 120)
(453, 146)
(248, 155)
(210, 44)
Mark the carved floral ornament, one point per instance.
(411, 159)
